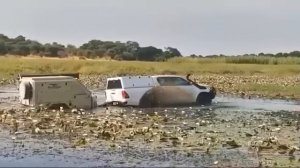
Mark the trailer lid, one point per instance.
(75, 75)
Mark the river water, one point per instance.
(33, 151)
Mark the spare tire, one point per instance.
(25, 90)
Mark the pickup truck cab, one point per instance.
(158, 90)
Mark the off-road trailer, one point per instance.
(55, 90)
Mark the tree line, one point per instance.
(129, 50)
(280, 54)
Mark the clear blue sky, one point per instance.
(193, 26)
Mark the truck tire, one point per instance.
(204, 99)
(147, 100)
(152, 98)
(25, 90)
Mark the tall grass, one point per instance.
(272, 90)
(262, 60)
(10, 66)
(240, 60)
(201, 60)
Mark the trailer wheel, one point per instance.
(204, 99)
(57, 106)
(25, 90)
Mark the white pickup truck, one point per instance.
(159, 90)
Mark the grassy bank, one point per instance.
(281, 79)
(10, 66)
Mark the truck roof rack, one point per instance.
(75, 75)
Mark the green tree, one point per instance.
(3, 49)
(71, 49)
(171, 52)
(21, 49)
(19, 39)
(149, 53)
(294, 54)
(128, 56)
(3, 38)
(35, 47)
(53, 49)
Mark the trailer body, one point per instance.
(55, 90)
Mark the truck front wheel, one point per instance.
(204, 99)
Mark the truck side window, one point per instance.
(114, 84)
(172, 81)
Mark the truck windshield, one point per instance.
(172, 81)
(114, 84)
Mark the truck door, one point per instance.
(177, 90)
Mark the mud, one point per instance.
(162, 96)
(231, 132)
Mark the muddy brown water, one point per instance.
(31, 150)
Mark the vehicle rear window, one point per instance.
(114, 84)
(172, 81)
